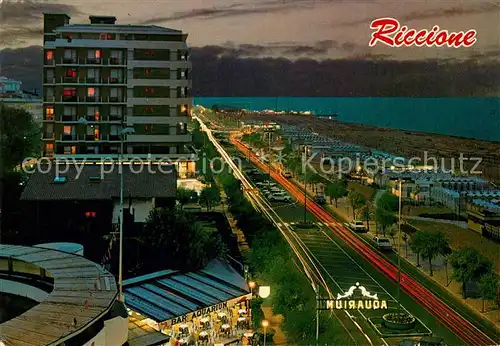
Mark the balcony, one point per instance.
(93, 138)
(68, 137)
(70, 61)
(93, 99)
(69, 80)
(51, 62)
(116, 99)
(116, 80)
(66, 118)
(49, 98)
(93, 80)
(114, 137)
(48, 136)
(49, 117)
(49, 80)
(92, 118)
(93, 61)
(69, 99)
(117, 61)
(115, 118)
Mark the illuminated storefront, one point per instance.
(209, 306)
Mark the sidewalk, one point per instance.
(442, 276)
(240, 237)
(274, 320)
(275, 323)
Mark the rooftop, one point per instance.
(168, 294)
(118, 28)
(82, 290)
(99, 182)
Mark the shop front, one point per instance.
(210, 307)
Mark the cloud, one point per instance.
(431, 14)
(224, 71)
(29, 11)
(241, 9)
(291, 50)
(20, 35)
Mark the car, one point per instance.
(357, 226)
(383, 244)
(320, 199)
(279, 197)
(272, 191)
(287, 174)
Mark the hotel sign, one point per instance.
(348, 301)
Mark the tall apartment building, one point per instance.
(102, 77)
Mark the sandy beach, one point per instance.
(404, 143)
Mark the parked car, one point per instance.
(287, 174)
(272, 191)
(357, 226)
(280, 197)
(320, 199)
(382, 244)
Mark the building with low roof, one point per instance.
(484, 218)
(81, 203)
(191, 305)
(77, 300)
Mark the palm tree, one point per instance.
(434, 243)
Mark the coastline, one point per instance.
(402, 142)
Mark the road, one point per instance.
(358, 330)
(467, 332)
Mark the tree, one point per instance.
(335, 190)
(315, 180)
(417, 245)
(19, 137)
(468, 265)
(488, 286)
(393, 231)
(433, 244)
(388, 202)
(384, 218)
(357, 200)
(210, 197)
(171, 238)
(184, 196)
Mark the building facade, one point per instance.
(102, 77)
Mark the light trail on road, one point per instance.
(310, 268)
(461, 327)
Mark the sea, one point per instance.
(472, 117)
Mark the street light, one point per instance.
(123, 132)
(264, 291)
(265, 323)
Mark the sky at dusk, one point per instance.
(328, 29)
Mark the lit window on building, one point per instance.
(49, 55)
(91, 92)
(67, 130)
(69, 92)
(90, 214)
(49, 111)
(49, 147)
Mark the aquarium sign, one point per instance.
(347, 301)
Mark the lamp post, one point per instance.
(265, 324)
(251, 284)
(399, 243)
(305, 186)
(123, 132)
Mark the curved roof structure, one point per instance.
(83, 292)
